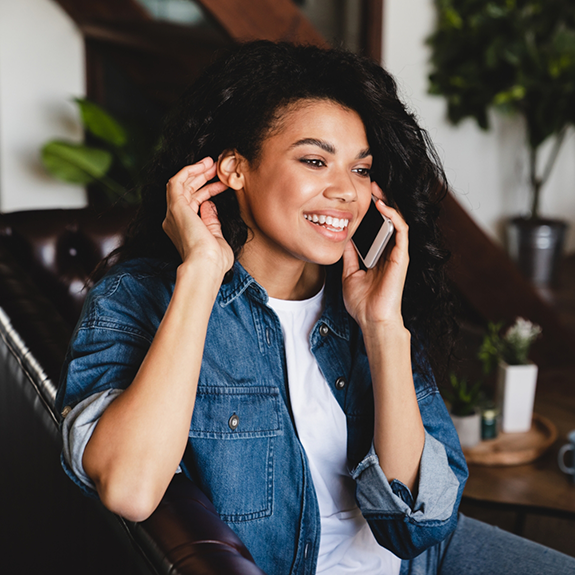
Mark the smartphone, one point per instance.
(372, 235)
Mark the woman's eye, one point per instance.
(313, 162)
(365, 172)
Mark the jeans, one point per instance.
(476, 548)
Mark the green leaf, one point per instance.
(462, 397)
(514, 94)
(75, 163)
(101, 124)
(496, 11)
(564, 41)
(453, 18)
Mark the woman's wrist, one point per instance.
(391, 340)
(200, 272)
(384, 330)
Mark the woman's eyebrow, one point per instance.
(364, 154)
(326, 146)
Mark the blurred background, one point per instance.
(117, 56)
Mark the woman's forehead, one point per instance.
(307, 119)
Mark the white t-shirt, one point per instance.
(347, 544)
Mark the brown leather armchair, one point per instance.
(47, 525)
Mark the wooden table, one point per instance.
(540, 487)
(536, 500)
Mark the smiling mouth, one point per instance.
(328, 222)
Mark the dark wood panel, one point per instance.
(160, 58)
(106, 10)
(372, 29)
(492, 285)
(263, 19)
(160, 38)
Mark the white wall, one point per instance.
(487, 170)
(41, 69)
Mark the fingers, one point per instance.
(350, 261)
(209, 215)
(377, 191)
(401, 228)
(191, 182)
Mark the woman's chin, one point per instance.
(326, 259)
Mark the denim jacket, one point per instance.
(243, 449)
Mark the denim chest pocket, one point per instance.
(232, 436)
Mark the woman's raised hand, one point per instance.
(191, 220)
(373, 297)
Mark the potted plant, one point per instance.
(111, 162)
(463, 400)
(517, 56)
(516, 376)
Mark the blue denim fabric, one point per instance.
(256, 473)
(476, 548)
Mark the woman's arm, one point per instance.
(373, 298)
(140, 439)
(399, 434)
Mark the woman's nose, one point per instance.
(342, 188)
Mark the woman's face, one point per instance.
(310, 187)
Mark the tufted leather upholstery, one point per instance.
(45, 259)
(60, 248)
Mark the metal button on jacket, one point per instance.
(66, 411)
(323, 329)
(234, 421)
(340, 382)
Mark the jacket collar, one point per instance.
(335, 315)
(240, 282)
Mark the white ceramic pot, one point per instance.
(515, 396)
(468, 428)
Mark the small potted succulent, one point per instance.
(464, 400)
(516, 375)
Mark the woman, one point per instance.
(239, 328)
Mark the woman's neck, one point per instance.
(291, 280)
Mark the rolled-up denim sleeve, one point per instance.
(108, 346)
(437, 491)
(77, 429)
(399, 523)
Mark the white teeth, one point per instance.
(335, 223)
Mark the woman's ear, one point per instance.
(230, 169)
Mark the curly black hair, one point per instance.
(238, 101)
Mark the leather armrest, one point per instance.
(184, 535)
(192, 537)
(35, 331)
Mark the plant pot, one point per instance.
(515, 396)
(468, 428)
(536, 246)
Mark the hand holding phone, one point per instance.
(372, 235)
